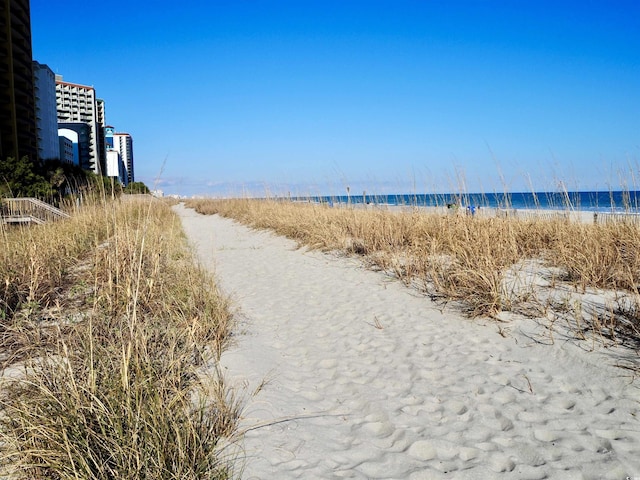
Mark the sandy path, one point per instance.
(428, 395)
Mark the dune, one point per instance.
(349, 374)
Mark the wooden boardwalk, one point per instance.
(27, 211)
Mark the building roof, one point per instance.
(62, 82)
(41, 65)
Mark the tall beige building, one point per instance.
(78, 104)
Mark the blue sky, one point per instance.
(226, 97)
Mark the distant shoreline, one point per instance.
(618, 201)
(581, 216)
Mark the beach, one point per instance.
(347, 373)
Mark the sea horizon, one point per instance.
(619, 201)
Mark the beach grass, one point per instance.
(111, 336)
(479, 263)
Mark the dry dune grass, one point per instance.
(110, 336)
(471, 261)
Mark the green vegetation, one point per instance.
(49, 180)
(19, 178)
(53, 180)
(136, 188)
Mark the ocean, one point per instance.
(613, 201)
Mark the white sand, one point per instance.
(428, 395)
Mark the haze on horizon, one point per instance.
(233, 97)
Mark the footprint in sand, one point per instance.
(423, 450)
(501, 463)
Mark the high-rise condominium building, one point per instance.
(79, 134)
(44, 87)
(123, 143)
(102, 122)
(69, 147)
(78, 104)
(17, 111)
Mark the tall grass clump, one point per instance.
(602, 255)
(112, 337)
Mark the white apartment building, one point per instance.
(115, 167)
(78, 103)
(123, 144)
(44, 90)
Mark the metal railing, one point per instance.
(29, 210)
